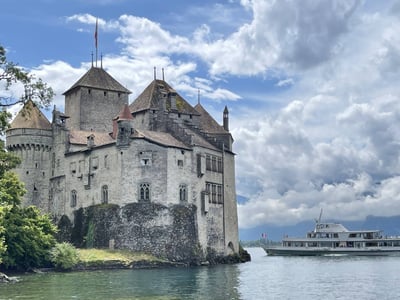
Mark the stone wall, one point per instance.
(164, 231)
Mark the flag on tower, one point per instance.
(95, 34)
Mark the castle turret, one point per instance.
(30, 137)
(93, 101)
(226, 119)
(124, 126)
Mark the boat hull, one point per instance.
(326, 251)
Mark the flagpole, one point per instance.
(95, 39)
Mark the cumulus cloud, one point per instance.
(332, 138)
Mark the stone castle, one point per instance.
(157, 175)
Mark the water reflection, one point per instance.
(262, 278)
(220, 282)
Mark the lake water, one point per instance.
(265, 277)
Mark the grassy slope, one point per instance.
(93, 258)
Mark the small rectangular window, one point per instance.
(146, 158)
(180, 163)
(95, 163)
(72, 167)
(208, 162)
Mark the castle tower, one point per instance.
(30, 137)
(124, 126)
(93, 101)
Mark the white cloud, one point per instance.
(332, 138)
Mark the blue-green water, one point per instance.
(262, 278)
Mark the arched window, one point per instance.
(73, 198)
(144, 192)
(183, 193)
(104, 194)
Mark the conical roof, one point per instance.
(98, 78)
(30, 116)
(125, 113)
(207, 122)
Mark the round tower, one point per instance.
(30, 137)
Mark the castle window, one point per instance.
(105, 94)
(89, 91)
(104, 194)
(119, 95)
(183, 193)
(214, 163)
(180, 163)
(219, 165)
(73, 167)
(73, 198)
(106, 161)
(219, 194)
(215, 192)
(144, 192)
(208, 162)
(95, 163)
(145, 158)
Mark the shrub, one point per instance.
(64, 256)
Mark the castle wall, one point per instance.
(73, 109)
(93, 109)
(230, 205)
(168, 232)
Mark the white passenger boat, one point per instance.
(335, 239)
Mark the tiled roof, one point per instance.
(152, 95)
(198, 140)
(162, 138)
(100, 79)
(79, 137)
(207, 123)
(30, 116)
(146, 100)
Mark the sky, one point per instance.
(311, 87)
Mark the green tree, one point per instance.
(29, 237)
(26, 236)
(3, 247)
(35, 89)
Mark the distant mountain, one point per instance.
(390, 226)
